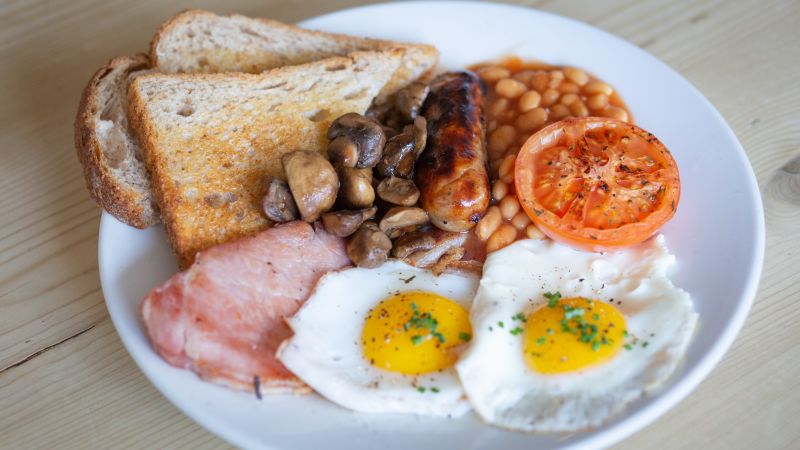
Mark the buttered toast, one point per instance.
(210, 140)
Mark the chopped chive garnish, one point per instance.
(420, 389)
(565, 326)
(435, 390)
(515, 331)
(595, 346)
(552, 298)
(645, 344)
(501, 324)
(466, 337)
(422, 321)
(549, 331)
(541, 341)
(573, 312)
(628, 347)
(520, 317)
(596, 317)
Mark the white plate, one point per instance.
(717, 235)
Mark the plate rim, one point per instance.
(609, 434)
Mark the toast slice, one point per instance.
(112, 162)
(197, 41)
(210, 140)
(200, 41)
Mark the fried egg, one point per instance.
(384, 339)
(563, 340)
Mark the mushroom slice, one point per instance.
(379, 111)
(409, 100)
(354, 131)
(448, 259)
(278, 204)
(313, 182)
(412, 242)
(389, 131)
(445, 240)
(369, 246)
(468, 266)
(402, 218)
(345, 223)
(419, 129)
(398, 191)
(398, 157)
(356, 189)
(343, 152)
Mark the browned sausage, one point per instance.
(451, 172)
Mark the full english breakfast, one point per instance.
(351, 220)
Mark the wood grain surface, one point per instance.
(67, 382)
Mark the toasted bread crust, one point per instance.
(124, 204)
(145, 130)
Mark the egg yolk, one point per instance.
(572, 333)
(415, 333)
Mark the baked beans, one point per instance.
(499, 107)
(520, 220)
(531, 120)
(615, 112)
(597, 87)
(506, 170)
(556, 77)
(516, 88)
(568, 99)
(578, 109)
(510, 88)
(597, 102)
(523, 77)
(493, 73)
(509, 207)
(500, 139)
(523, 98)
(569, 88)
(576, 75)
(529, 100)
(558, 112)
(489, 223)
(503, 236)
(499, 190)
(550, 96)
(533, 232)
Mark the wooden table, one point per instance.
(65, 379)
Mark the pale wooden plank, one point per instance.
(86, 392)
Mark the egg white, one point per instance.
(505, 392)
(326, 353)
